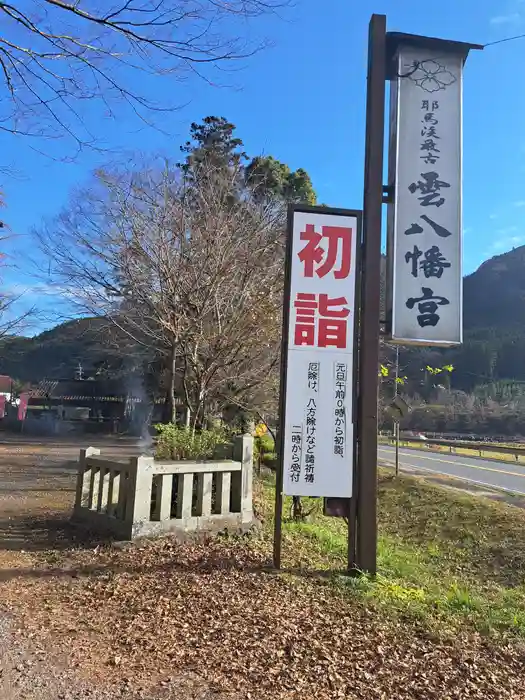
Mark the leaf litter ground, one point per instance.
(209, 619)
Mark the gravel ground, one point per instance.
(37, 481)
(27, 674)
(197, 621)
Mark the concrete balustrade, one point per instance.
(143, 497)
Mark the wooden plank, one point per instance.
(370, 301)
(184, 496)
(204, 492)
(163, 488)
(222, 497)
(111, 493)
(100, 463)
(195, 467)
(123, 478)
(236, 493)
(166, 487)
(103, 488)
(94, 486)
(83, 488)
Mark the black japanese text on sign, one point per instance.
(320, 349)
(431, 192)
(425, 215)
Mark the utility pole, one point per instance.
(370, 299)
(396, 422)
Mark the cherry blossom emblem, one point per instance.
(430, 75)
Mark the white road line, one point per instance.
(459, 464)
(492, 487)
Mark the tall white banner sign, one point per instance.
(318, 419)
(425, 228)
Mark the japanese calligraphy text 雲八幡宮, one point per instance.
(427, 233)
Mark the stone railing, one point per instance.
(145, 497)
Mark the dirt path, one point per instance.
(29, 672)
(26, 673)
(37, 484)
(83, 620)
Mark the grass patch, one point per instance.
(445, 560)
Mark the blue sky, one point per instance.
(303, 101)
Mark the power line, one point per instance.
(417, 64)
(502, 41)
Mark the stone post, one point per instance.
(138, 506)
(243, 452)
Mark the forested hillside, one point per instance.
(493, 349)
(494, 321)
(484, 393)
(56, 354)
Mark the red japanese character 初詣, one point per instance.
(318, 317)
(320, 261)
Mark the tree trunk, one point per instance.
(297, 508)
(198, 417)
(170, 409)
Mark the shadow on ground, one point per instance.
(211, 562)
(41, 534)
(37, 486)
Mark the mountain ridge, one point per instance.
(494, 295)
(493, 349)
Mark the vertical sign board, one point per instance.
(318, 403)
(425, 228)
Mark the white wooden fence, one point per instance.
(143, 497)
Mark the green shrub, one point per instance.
(262, 446)
(176, 442)
(269, 459)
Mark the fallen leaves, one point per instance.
(211, 608)
(174, 618)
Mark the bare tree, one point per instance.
(59, 58)
(12, 318)
(191, 272)
(13, 321)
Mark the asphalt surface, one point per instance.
(501, 475)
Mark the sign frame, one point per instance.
(293, 209)
(398, 107)
(438, 52)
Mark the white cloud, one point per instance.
(506, 243)
(520, 203)
(511, 18)
(493, 216)
(34, 290)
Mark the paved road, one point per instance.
(503, 475)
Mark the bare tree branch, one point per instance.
(14, 318)
(54, 54)
(191, 273)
